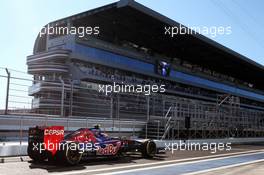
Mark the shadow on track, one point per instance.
(84, 164)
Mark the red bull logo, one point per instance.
(109, 149)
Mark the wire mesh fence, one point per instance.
(61, 100)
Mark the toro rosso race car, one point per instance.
(50, 143)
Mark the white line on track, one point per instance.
(169, 165)
(180, 161)
(224, 167)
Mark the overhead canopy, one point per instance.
(130, 21)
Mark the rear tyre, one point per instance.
(70, 156)
(149, 149)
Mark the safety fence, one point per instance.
(52, 100)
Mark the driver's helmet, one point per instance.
(97, 126)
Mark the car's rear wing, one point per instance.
(45, 138)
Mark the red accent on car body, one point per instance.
(53, 135)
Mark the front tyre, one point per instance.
(149, 149)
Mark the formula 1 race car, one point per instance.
(50, 143)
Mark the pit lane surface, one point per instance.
(250, 169)
(181, 162)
